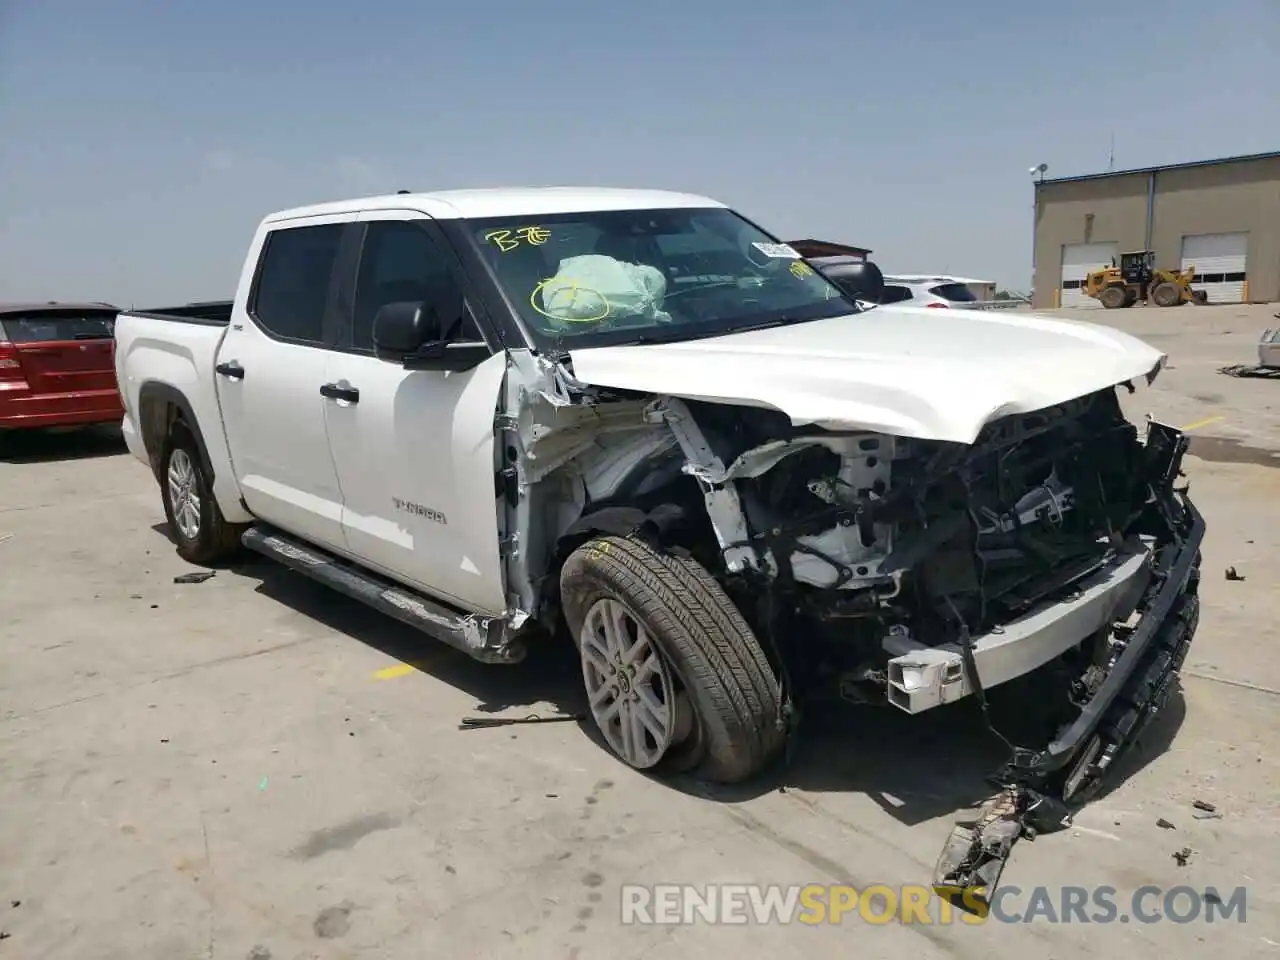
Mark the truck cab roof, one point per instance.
(505, 201)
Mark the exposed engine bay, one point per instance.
(862, 537)
(891, 569)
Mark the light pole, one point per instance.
(1038, 171)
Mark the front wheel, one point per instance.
(674, 676)
(1113, 297)
(1166, 295)
(199, 530)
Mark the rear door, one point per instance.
(269, 371)
(63, 351)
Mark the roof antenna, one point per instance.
(1111, 158)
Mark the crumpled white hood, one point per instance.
(928, 374)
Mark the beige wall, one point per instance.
(1223, 198)
(1112, 210)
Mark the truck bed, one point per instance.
(210, 312)
(165, 368)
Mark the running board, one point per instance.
(486, 639)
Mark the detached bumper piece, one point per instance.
(1041, 788)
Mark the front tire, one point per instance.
(1113, 297)
(1166, 294)
(675, 678)
(200, 532)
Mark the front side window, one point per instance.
(401, 262)
(636, 276)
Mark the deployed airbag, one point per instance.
(594, 289)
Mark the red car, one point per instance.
(57, 365)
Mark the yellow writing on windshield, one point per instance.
(508, 240)
(800, 269)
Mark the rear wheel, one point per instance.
(1113, 297)
(674, 676)
(1166, 295)
(199, 530)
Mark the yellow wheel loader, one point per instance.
(1136, 278)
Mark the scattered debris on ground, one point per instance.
(1164, 824)
(1205, 810)
(1232, 575)
(475, 723)
(1249, 370)
(200, 576)
(1182, 856)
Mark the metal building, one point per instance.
(1220, 216)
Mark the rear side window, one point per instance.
(895, 294)
(293, 281)
(955, 292)
(51, 326)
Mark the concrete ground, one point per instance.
(252, 767)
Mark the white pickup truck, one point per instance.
(637, 419)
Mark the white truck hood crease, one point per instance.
(927, 374)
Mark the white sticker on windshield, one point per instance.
(777, 250)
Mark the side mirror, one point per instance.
(863, 281)
(401, 328)
(413, 335)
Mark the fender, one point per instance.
(154, 396)
(624, 521)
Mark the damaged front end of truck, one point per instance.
(913, 572)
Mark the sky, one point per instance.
(141, 141)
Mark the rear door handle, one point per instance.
(231, 370)
(335, 392)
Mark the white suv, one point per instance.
(900, 291)
(927, 292)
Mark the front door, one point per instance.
(414, 450)
(270, 368)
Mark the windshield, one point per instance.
(645, 276)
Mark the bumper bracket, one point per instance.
(1041, 789)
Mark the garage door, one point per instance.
(1220, 262)
(1078, 261)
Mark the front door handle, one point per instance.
(231, 370)
(335, 392)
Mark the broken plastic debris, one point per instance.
(200, 576)
(1204, 805)
(1182, 856)
(1232, 575)
(1164, 824)
(476, 723)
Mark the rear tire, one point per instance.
(1114, 297)
(710, 683)
(199, 530)
(1166, 295)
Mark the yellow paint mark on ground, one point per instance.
(1201, 423)
(399, 670)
